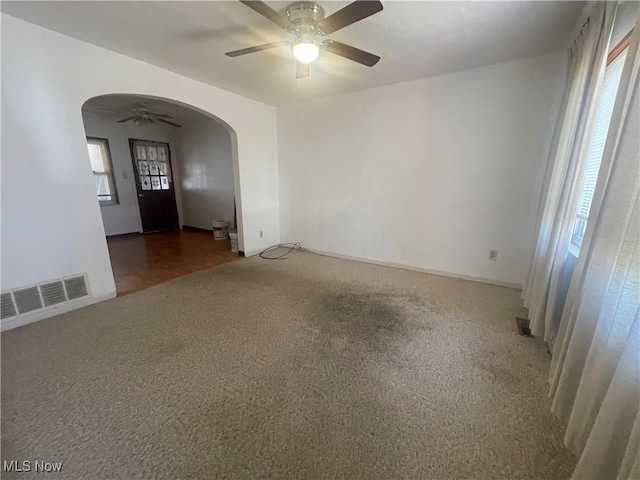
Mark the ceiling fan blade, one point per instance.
(268, 12)
(352, 13)
(162, 115)
(168, 122)
(352, 53)
(123, 120)
(257, 48)
(303, 70)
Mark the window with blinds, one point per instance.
(102, 170)
(604, 110)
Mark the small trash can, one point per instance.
(234, 241)
(220, 229)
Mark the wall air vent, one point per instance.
(7, 308)
(27, 300)
(76, 287)
(52, 293)
(43, 296)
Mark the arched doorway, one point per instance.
(163, 172)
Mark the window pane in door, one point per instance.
(151, 153)
(141, 152)
(145, 181)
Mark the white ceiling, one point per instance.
(120, 106)
(414, 39)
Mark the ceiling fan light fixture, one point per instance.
(306, 51)
(306, 20)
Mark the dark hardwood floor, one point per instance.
(141, 261)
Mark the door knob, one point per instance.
(141, 195)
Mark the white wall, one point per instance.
(124, 217)
(206, 173)
(51, 224)
(430, 174)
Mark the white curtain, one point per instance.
(550, 271)
(595, 374)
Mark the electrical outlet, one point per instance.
(261, 234)
(493, 255)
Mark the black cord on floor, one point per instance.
(292, 246)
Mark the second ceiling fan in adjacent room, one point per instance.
(143, 116)
(307, 22)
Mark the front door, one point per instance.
(154, 185)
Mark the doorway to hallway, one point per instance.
(158, 176)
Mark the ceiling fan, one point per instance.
(144, 116)
(307, 22)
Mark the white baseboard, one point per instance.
(417, 269)
(27, 318)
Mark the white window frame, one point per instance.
(108, 173)
(616, 59)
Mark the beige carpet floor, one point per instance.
(307, 368)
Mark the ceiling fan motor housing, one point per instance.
(305, 14)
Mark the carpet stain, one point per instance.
(168, 347)
(502, 375)
(379, 321)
